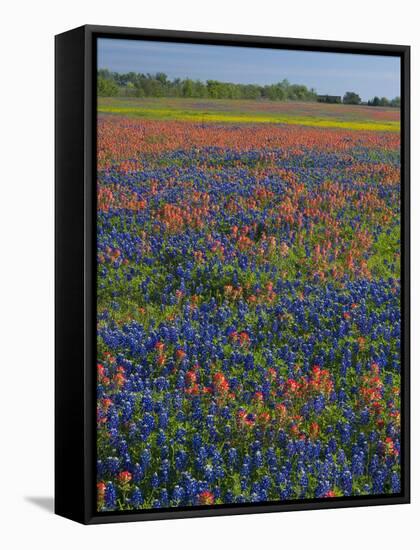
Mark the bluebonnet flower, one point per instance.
(136, 498)
(347, 482)
(395, 482)
(110, 496)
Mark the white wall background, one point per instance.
(26, 253)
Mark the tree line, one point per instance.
(354, 99)
(351, 98)
(384, 102)
(133, 84)
(159, 85)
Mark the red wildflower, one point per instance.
(375, 368)
(180, 354)
(119, 379)
(106, 403)
(159, 347)
(194, 389)
(281, 411)
(292, 386)
(206, 498)
(259, 397)
(314, 430)
(124, 477)
(389, 447)
(109, 357)
(190, 377)
(272, 373)
(100, 486)
(161, 360)
(244, 338)
(264, 418)
(245, 419)
(221, 385)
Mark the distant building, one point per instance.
(328, 98)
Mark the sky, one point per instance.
(328, 73)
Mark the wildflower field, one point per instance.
(248, 302)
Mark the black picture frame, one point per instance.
(75, 252)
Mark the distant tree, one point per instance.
(163, 79)
(106, 87)
(298, 92)
(187, 88)
(105, 73)
(273, 92)
(214, 89)
(351, 98)
(159, 85)
(384, 102)
(251, 91)
(129, 90)
(138, 90)
(176, 87)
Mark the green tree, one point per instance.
(133, 84)
(213, 88)
(187, 88)
(106, 87)
(351, 98)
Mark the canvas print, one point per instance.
(248, 275)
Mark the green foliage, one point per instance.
(351, 98)
(106, 87)
(158, 85)
(384, 102)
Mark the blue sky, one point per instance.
(332, 73)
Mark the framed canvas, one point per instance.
(232, 274)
